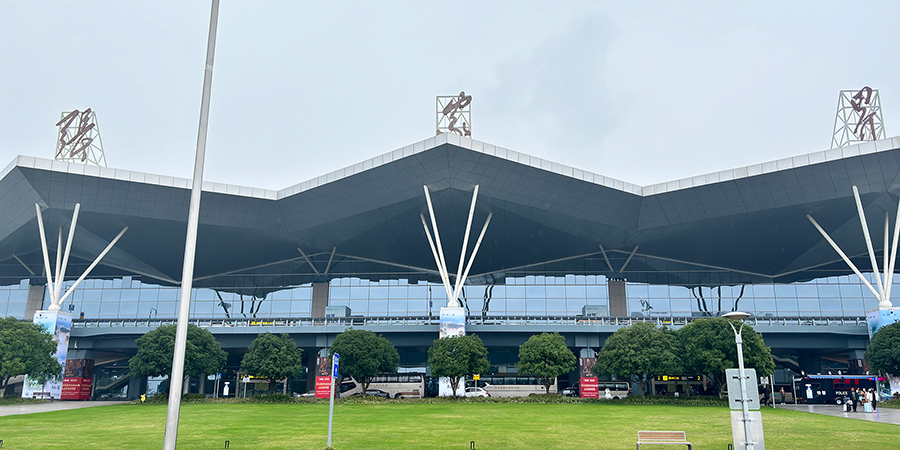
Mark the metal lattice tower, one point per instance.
(79, 138)
(858, 118)
(454, 114)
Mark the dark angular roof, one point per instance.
(746, 225)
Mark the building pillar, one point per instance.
(810, 363)
(618, 306)
(319, 299)
(35, 300)
(857, 362)
(311, 369)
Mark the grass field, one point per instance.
(398, 425)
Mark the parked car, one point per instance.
(374, 393)
(571, 391)
(476, 392)
(308, 394)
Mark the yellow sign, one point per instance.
(476, 377)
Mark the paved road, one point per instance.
(884, 415)
(11, 410)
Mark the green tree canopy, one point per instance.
(708, 348)
(883, 354)
(272, 357)
(545, 356)
(25, 349)
(365, 354)
(640, 352)
(155, 349)
(458, 357)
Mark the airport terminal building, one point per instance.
(566, 250)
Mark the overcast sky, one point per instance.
(640, 91)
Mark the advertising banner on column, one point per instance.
(60, 325)
(587, 383)
(78, 375)
(323, 377)
(878, 318)
(453, 323)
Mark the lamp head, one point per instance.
(736, 315)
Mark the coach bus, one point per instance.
(397, 385)
(512, 385)
(830, 389)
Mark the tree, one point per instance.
(708, 348)
(545, 356)
(640, 352)
(155, 349)
(458, 357)
(25, 349)
(883, 354)
(272, 357)
(365, 354)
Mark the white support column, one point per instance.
(845, 258)
(442, 271)
(885, 252)
(438, 251)
(865, 227)
(91, 267)
(465, 244)
(50, 286)
(893, 258)
(65, 260)
(62, 260)
(461, 281)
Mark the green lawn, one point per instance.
(426, 426)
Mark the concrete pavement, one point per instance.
(11, 410)
(884, 415)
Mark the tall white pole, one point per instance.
(190, 245)
(744, 397)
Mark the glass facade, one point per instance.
(129, 298)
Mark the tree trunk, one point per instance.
(454, 385)
(272, 386)
(546, 383)
(3, 386)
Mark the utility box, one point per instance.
(337, 311)
(595, 311)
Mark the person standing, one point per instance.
(854, 398)
(781, 394)
(874, 400)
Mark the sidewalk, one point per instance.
(11, 410)
(884, 415)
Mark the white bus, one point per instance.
(617, 389)
(396, 385)
(513, 385)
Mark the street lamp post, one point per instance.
(740, 316)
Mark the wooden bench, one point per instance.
(663, 438)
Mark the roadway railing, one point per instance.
(672, 321)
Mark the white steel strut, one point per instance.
(883, 293)
(438, 251)
(62, 260)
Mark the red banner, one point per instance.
(75, 388)
(589, 387)
(323, 387)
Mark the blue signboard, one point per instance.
(335, 359)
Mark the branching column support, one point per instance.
(883, 293)
(437, 250)
(62, 260)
